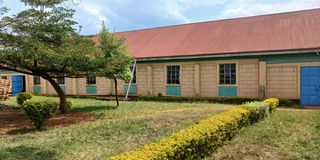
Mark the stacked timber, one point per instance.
(4, 89)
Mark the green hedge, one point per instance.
(22, 97)
(198, 140)
(69, 96)
(223, 100)
(39, 112)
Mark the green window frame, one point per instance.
(173, 74)
(61, 80)
(91, 80)
(228, 74)
(36, 80)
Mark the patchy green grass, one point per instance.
(287, 134)
(117, 129)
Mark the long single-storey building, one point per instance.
(276, 55)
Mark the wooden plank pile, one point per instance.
(5, 89)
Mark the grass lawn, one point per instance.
(117, 129)
(287, 134)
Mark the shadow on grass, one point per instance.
(4, 106)
(94, 108)
(27, 153)
(25, 131)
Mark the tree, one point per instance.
(41, 41)
(117, 58)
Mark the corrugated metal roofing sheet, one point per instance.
(275, 32)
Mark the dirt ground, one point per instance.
(15, 121)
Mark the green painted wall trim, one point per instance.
(37, 89)
(7, 72)
(91, 89)
(227, 91)
(133, 89)
(270, 59)
(173, 90)
(291, 58)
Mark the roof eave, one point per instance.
(262, 53)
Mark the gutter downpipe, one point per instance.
(128, 89)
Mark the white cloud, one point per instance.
(96, 13)
(237, 8)
(177, 8)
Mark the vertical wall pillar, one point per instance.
(197, 79)
(44, 90)
(74, 86)
(111, 86)
(149, 80)
(27, 85)
(262, 79)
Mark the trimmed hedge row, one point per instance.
(69, 96)
(223, 100)
(198, 140)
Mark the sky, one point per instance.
(125, 15)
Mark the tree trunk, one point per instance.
(63, 98)
(116, 90)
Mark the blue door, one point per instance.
(17, 85)
(310, 86)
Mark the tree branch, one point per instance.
(17, 70)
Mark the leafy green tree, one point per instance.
(117, 58)
(42, 41)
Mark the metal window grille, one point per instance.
(173, 74)
(36, 80)
(91, 80)
(227, 73)
(61, 80)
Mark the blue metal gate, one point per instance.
(310, 86)
(17, 85)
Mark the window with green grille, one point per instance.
(227, 74)
(91, 80)
(36, 80)
(173, 74)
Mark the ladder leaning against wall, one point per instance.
(133, 69)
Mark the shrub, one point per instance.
(22, 97)
(258, 110)
(198, 140)
(224, 100)
(273, 103)
(40, 112)
(69, 104)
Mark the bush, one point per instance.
(40, 112)
(224, 100)
(69, 104)
(198, 140)
(22, 97)
(273, 103)
(258, 110)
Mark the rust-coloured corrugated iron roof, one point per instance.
(276, 32)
